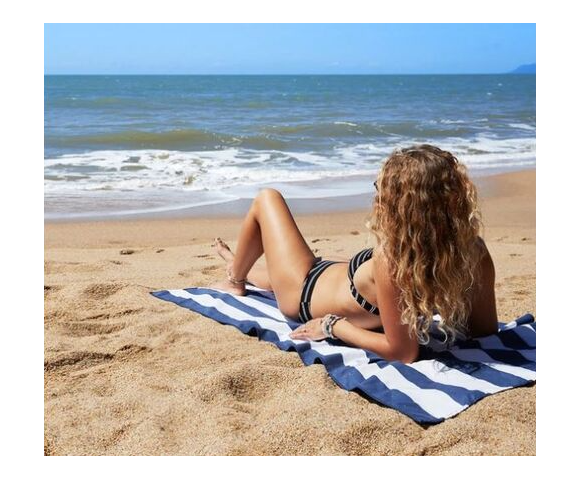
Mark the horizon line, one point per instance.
(277, 74)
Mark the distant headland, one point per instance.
(525, 69)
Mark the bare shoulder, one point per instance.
(486, 262)
(483, 318)
(480, 242)
(378, 259)
(380, 268)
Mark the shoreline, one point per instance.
(300, 206)
(506, 210)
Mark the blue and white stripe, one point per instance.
(442, 383)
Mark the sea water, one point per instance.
(123, 144)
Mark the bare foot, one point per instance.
(229, 287)
(223, 250)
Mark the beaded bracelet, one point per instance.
(324, 326)
(328, 324)
(331, 326)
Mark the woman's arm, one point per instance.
(395, 343)
(483, 318)
(372, 341)
(356, 337)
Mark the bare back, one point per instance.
(332, 294)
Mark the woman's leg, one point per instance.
(269, 228)
(258, 275)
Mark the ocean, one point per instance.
(137, 144)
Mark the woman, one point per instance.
(429, 259)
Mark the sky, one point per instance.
(287, 48)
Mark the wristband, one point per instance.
(328, 324)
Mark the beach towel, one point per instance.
(444, 381)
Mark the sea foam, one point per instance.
(131, 170)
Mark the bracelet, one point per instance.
(331, 326)
(324, 326)
(328, 323)
(231, 279)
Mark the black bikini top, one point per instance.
(354, 263)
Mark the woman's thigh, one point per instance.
(258, 275)
(288, 256)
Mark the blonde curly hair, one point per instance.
(427, 221)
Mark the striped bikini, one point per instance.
(316, 270)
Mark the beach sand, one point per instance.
(128, 374)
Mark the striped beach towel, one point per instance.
(440, 384)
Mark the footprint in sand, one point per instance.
(87, 329)
(58, 314)
(205, 255)
(520, 278)
(355, 232)
(99, 291)
(84, 359)
(127, 251)
(65, 267)
(187, 273)
(321, 240)
(93, 324)
(77, 360)
(192, 271)
(107, 315)
(362, 438)
(247, 384)
(48, 448)
(208, 270)
(51, 288)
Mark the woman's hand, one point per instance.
(311, 330)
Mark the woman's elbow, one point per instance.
(408, 357)
(409, 354)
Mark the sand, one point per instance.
(127, 374)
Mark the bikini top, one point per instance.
(354, 263)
